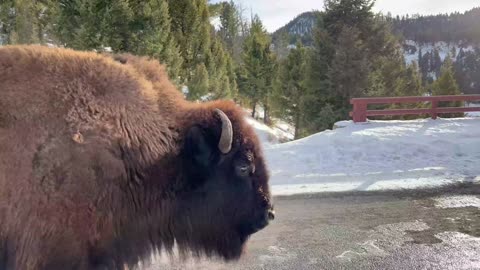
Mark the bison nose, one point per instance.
(271, 214)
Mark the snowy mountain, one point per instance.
(412, 49)
(301, 25)
(451, 28)
(426, 40)
(299, 29)
(418, 32)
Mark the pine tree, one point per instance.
(413, 86)
(409, 83)
(436, 62)
(425, 68)
(356, 55)
(199, 84)
(232, 78)
(139, 27)
(453, 27)
(271, 68)
(198, 44)
(25, 25)
(467, 71)
(420, 55)
(25, 21)
(116, 22)
(447, 85)
(389, 72)
(258, 64)
(319, 88)
(191, 29)
(226, 52)
(290, 90)
(7, 19)
(151, 34)
(348, 13)
(230, 28)
(94, 24)
(379, 39)
(349, 70)
(219, 83)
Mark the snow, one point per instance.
(472, 105)
(185, 90)
(410, 58)
(378, 155)
(271, 135)
(279, 132)
(432, 75)
(461, 240)
(458, 201)
(443, 48)
(216, 22)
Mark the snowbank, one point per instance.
(378, 155)
(280, 131)
(271, 135)
(458, 201)
(473, 114)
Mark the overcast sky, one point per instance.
(276, 13)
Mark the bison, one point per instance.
(102, 162)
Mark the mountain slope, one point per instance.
(450, 28)
(460, 28)
(426, 39)
(298, 29)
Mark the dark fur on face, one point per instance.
(102, 162)
(231, 189)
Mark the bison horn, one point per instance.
(226, 139)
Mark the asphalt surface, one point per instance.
(395, 230)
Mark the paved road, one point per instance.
(362, 231)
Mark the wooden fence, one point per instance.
(360, 106)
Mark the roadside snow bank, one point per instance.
(458, 201)
(268, 135)
(378, 155)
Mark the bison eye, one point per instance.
(243, 170)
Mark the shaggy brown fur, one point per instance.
(102, 161)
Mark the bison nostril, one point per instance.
(271, 214)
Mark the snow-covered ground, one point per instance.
(470, 105)
(458, 201)
(271, 135)
(279, 132)
(378, 155)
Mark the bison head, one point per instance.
(228, 199)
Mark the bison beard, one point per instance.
(102, 162)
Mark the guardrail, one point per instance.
(360, 106)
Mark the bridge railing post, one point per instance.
(434, 113)
(359, 112)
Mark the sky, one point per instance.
(276, 13)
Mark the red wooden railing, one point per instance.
(360, 106)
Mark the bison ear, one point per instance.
(199, 147)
